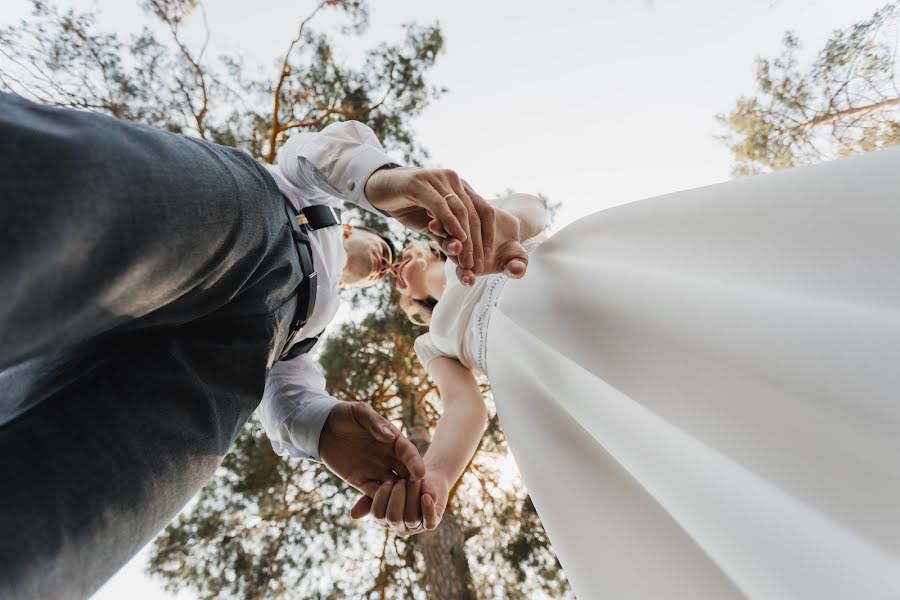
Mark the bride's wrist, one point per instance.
(441, 469)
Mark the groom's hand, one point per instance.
(365, 449)
(416, 197)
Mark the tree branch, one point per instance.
(200, 115)
(849, 112)
(285, 71)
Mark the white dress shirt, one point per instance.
(327, 167)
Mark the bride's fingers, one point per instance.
(380, 502)
(435, 227)
(361, 509)
(396, 504)
(430, 512)
(512, 258)
(516, 268)
(465, 276)
(412, 515)
(450, 246)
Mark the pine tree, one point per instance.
(846, 102)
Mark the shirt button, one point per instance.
(351, 184)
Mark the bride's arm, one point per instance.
(463, 423)
(408, 507)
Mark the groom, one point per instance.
(152, 285)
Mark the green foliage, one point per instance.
(846, 102)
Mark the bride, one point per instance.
(701, 390)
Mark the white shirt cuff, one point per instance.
(337, 160)
(306, 426)
(370, 160)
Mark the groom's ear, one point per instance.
(348, 229)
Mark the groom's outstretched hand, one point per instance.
(438, 203)
(364, 449)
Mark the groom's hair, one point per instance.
(389, 241)
(419, 311)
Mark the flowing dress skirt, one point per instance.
(702, 390)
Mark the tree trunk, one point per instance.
(447, 573)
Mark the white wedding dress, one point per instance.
(702, 390)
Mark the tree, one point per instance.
(845, 103)
(266, 527)
(58, 57)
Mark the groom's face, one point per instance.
(368, 257)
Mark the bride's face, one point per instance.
(414, 269)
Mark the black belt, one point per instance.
(302, 222)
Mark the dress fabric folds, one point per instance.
(702, 390)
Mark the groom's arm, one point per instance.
(346, 160)
(295, 406)
(356, 443)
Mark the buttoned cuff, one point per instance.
(368, 161)
(306, 426)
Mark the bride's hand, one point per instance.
(508, 255)
(407, 507)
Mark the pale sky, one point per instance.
(592, 103)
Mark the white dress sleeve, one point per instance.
(336, 161)
(426, 349)
(295, 406)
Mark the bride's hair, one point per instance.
(419, 311)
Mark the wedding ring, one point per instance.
(420, 524)
(451, 194)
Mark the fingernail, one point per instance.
(386, 429)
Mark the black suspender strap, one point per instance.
(302, 222)
(319, 216)
(301, 347)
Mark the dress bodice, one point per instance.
(460, 320)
